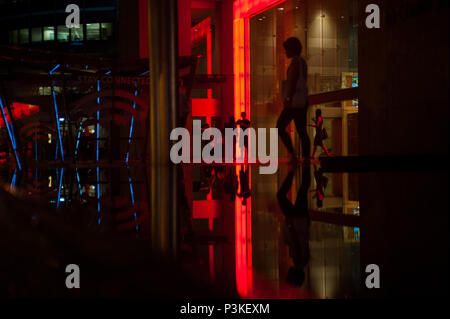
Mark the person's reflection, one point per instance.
(322, 183)
(244, 183)
(296, 225)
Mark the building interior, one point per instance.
(86, 175)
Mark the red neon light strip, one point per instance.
(209, 55)
(198, 33)
(242, 11)
(243, 244)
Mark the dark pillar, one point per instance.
(163, 52)
(403, 69)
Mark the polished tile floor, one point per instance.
(293, 234)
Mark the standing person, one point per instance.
(244, 124)
(295, 99)
(320, 136)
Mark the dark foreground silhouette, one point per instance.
(37, 243)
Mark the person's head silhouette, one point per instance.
(293, 47)
(318, 112)
(296, 276)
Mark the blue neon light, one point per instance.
(11, 134)
(57, 124)
(13, 181)
(60, 186)
(132, 123)
(78, 179)
(54, 69)
(78, 139)
(56, 150)
(132, 199)
(131, 191)
(98, 124)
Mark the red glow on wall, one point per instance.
(246, 8)
(242, 11)
(199, 32)
(20, 111)
(243, 244)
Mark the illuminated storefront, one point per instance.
(328, 32)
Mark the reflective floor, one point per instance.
(228, 229)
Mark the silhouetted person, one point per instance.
(295, 99)
(244, 182)
(226, 181)
(297, 222)
(320, 135)
(244, 124)
(184, 110)
(230, 123)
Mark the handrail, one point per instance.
(334, 96)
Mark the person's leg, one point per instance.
(325, 149)
(283, 121)
(314, 151)
(285, 204)
(300, 124)
(301, 202)
(246, 148)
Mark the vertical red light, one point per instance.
(243, 243)
(242, 11)
(199, 32)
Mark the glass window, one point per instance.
(43, 91)
(13, 35)
(49, 33)
(328, 31)
(63, 33)
(24, 36)
(107, 31)
(36, 35)
(93, 31)
(77, 33)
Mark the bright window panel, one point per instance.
(93, 31)
(63, 33)
(78, 34)
(49, 33)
